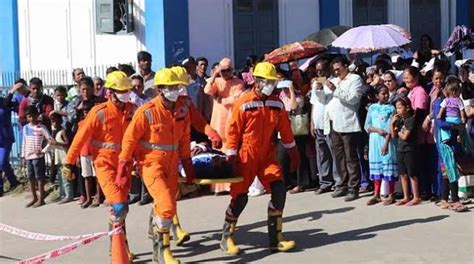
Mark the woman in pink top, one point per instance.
(225, 89)
(420, 102)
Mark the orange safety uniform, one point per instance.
(250, 134)
(104, 127)
(159, 138)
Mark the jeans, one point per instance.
(5, 165)
(65, 186)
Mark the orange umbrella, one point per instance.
(294, 51)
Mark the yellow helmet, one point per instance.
(265, 70)
(182, 74)
(166, 76)
(118, 80)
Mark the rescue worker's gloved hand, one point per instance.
(124, 172)
(294, 158)
(232, 159)
(215, 139)
(68, 172)
(189, 170)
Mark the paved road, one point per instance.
(327, 230)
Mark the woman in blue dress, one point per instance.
(382, 148)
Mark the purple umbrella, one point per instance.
(369, 38)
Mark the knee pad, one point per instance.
(118, 212)
(162, 223)
(278, 195)
(238, 204)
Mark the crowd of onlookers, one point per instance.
(403, 120)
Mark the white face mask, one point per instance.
(172, 96)
(123, 97)
(267, 89)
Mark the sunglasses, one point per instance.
(227, 70)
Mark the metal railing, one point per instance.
(51, 79)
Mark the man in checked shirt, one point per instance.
(34, 135)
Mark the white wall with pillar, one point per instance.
(61, 34)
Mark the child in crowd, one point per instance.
(382, 149)
(60, 102)
(453, 107)
(60, 149)
(34, 136)
(87, 166)
(403, 127)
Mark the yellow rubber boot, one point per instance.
(276, 240)
(161, 248)
(227, 241)
(179, 235)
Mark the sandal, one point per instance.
(374, 200)
(443, 204)
(458, 207)
(390, 200)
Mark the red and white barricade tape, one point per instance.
(86, 239)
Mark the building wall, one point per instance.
(211, 25)
(211, 29)
(298, 18)
(61, 34)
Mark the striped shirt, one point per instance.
(33, 138)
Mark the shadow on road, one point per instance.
(306, 239)
(8, 258)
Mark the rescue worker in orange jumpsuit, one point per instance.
(256, 116)
(159, 136)
(104, 127)
(200, 125)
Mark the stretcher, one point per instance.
(213, 181)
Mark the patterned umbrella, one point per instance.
(294, 51)
(370, 38)
(326, 36)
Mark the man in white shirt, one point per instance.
(343, 122)
(325, 159)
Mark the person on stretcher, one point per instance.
(208, 163)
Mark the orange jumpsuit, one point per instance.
(159, 138)
(104, 127)
(250, 135)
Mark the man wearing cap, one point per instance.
(144, 70)
(225, 88)
(256, 116)
(159, 136)
(104, 127)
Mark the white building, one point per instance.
(49, 38)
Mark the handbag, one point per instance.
(300, 124)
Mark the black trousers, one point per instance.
(345, 149)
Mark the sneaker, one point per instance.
(339, 193)
(322, 190)
(351, 196)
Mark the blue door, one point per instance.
(255, 28)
